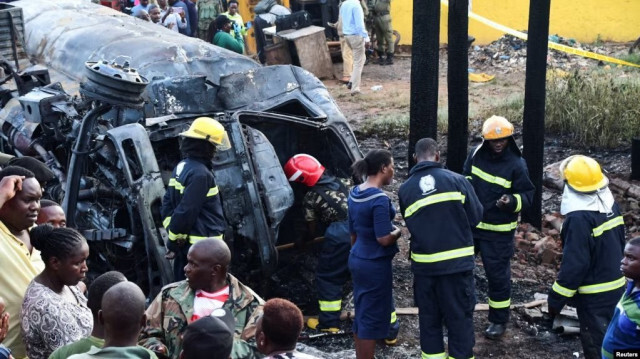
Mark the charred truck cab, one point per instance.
(108, 127)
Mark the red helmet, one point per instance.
(303, 168)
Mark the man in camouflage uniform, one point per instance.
(207, 12)
(173, 309)
(325, 209)
(325, 206)
(380, 10)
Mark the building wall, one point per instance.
(585, 20)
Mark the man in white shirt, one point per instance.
(168, 18)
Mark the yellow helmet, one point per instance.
(496, 127)
(206, 128)
(583, 174)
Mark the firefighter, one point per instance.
(191, 207)
(325, 208)
(500, 178)
(593, 237)
(442, 253)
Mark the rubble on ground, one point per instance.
(509, 54)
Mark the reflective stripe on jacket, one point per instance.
(191, 207)
(593, 244)
(440, 209)
(493, 176)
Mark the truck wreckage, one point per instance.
(105, 115)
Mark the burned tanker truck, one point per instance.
(101, 99)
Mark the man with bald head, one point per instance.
(122, 316)
(208, 287)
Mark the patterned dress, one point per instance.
(49, 321)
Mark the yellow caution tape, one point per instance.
(473, 77)
(552, 45)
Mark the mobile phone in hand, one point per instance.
(177, 10)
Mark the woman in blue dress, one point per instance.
(373, 241)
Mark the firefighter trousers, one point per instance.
(450, 300)
(332, 273)
(594, 314)
(496, 258)
(180, 259)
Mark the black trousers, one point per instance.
(496, 257)
(333, 273)
(448, 299)
(594, 314)
(180, 260)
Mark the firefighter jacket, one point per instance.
(493, 176)
(593, 244)
(191, 207)
(171, 312)
(440, 209)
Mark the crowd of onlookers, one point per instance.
(216, 21)
(46, 311)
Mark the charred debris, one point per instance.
(113, 147)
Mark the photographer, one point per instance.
(220, 35)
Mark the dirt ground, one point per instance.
(524, 338)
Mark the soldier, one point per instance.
(441, 251)
(325, 204)
(208, 287)
(500, 178)
(208, 10)
(191, 207)
(593, 244)
(380, 11)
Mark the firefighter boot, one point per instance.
(314, 324)
(495, 331)
(389, 60)
(380, 58)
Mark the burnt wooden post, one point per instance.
(534, 103)
(458, 84)
(423, 120)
